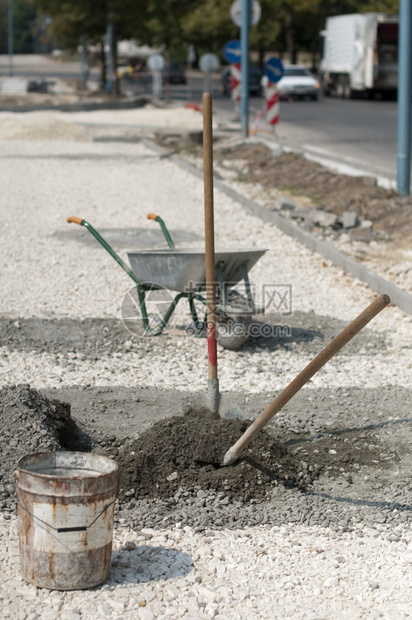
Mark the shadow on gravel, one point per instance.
(96, 337)
(274, 331)
(146, 563)
(274, 336)
(136, 238)
(362, 502)
(345, 431)
(87, 337)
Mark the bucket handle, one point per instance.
(61, 530)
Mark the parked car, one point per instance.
(297, 83)
(255, 79)
(174, 74)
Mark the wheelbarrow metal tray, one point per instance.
(184, 268)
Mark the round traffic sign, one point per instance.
(156, 62)
(274, 69)
(232, 52)
(209, 63)
(254, 14)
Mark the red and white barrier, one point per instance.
(272, 103)
(235, 82)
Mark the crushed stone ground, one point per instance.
(353, 421)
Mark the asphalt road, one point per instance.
(360, 133)
(355, 134)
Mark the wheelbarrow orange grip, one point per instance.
(152, 216)
(74, 220)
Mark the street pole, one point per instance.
(10, 37)
(109, 61)
(82, 60)
(244, 44)
(404, 99)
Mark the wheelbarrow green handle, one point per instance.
(157, 218)
(107, 247)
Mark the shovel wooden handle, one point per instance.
(209, 235)
(320, 360)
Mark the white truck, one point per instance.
(360, 55)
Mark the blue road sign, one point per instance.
(232, 52)
(274, 69)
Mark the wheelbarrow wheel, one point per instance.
(233, 329)
(157, 301)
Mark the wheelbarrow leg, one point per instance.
(193, 311)
(248, 288)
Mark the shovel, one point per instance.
(320, 360)
(213, 394)
(194, 407)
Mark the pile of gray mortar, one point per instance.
(29, 423)
(170, 472)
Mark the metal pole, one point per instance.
(109, 61)
(404, 99)
(82, 60)
(10, 37)
(244, 44)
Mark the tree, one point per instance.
(210, 26)
(89, 19)
(265, 36)
(24, 14)
(164, 25)
(286, 25)
(212, 33)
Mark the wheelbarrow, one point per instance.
(182, 270)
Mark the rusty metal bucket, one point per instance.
(65, 518)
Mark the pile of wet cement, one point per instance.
(186, 453)
(166, 476)
(30, 423)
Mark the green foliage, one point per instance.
(292, 25)
(381, 6)
(24, 14)
(74, 18)
(209, 25)
(163, 25)
(265, 35)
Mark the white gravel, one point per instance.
(291, 572)
(278, 572)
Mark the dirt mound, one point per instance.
(30, 422)
(338, 193)
(183, 453)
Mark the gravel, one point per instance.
(339, 547)
(287, 571)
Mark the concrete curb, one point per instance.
(399, 297)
